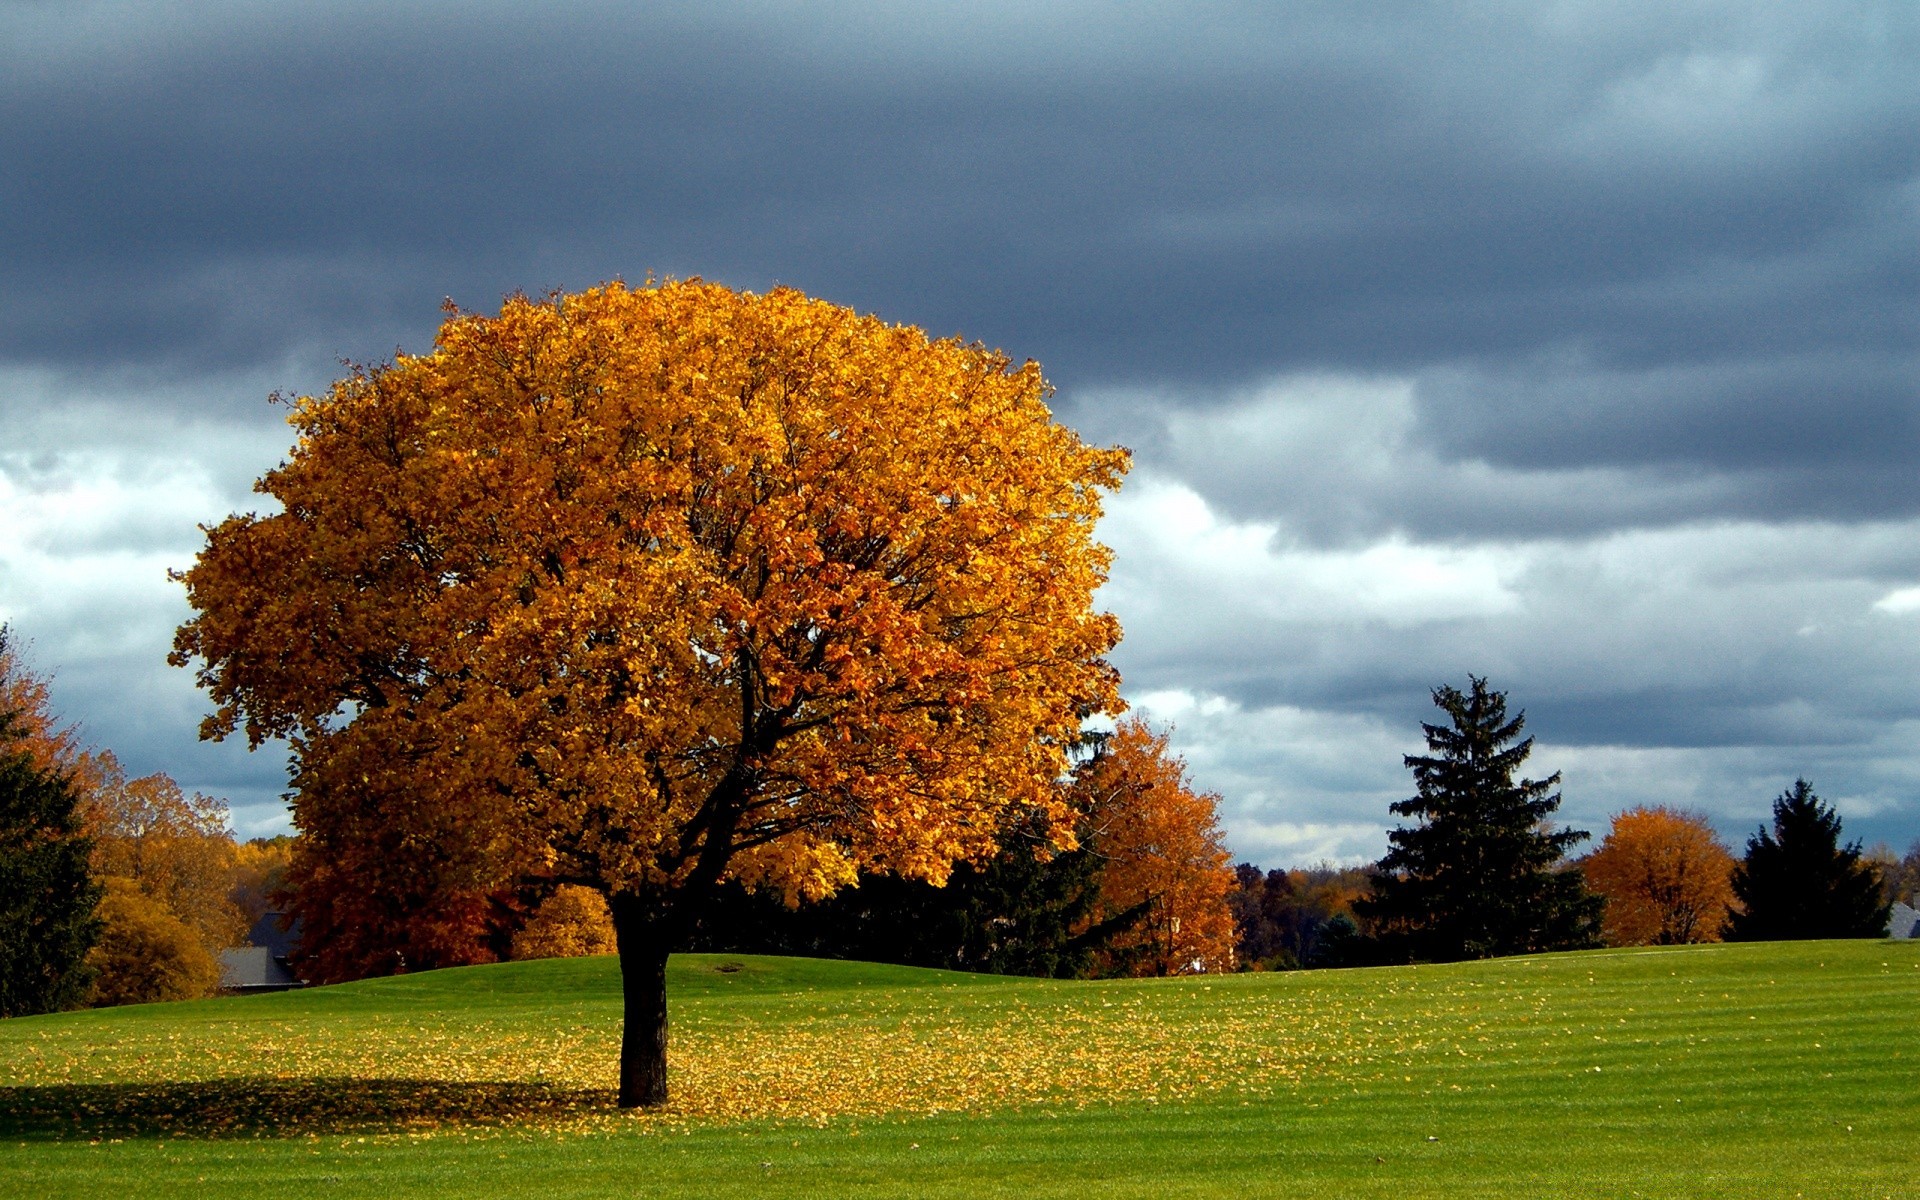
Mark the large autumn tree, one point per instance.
(1666, 875)
(643, 589)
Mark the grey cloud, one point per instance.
(1710, 636)
(1540, 446)
(1180, 194)
(1860, 413)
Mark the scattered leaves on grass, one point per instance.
(901, 1051)
(479, 1065)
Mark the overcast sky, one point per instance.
(1572, 344)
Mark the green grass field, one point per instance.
(1754, 1070)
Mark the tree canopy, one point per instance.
(1666, 876)
(1283, 918)
(1163, 855)
(1798, 881)
(1481, 874)
(146, 953)
(170, 846)
(642, 589)
(47, 897)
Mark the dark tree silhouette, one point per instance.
(1481, 875)
(1798, 881)
(1015, 914)
(47, 897)
(1282, 918)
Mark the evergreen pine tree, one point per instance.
(1480, 875)
(47, 898)
(1798, 881)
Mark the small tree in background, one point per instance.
(1164, 854)
(1907, 879)
(1899, 876)
(1666, 876)
(146, 953)
(34, 730)
(47, 898)
(1480, 875)
(571, 923)
(259, 876)
(1798, 881)
(173, 847)
(1281, 918)
(377, 901)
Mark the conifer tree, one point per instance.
(1479, 875)
(1798, 881)
(47, 898)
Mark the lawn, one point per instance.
(1753, 1070)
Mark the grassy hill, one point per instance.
(1704, 1071)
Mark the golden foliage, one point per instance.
(174, 847)
(571, 923)
(1666, 876)
(616, 586)
(145, 952)
(1164, 849)
(260, 876)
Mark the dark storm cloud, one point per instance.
(1206, 194)
(1860, 411)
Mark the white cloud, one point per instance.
(92, 519)
(1297, 786)
(1176, 552)
(1702, 664)
(1899, 602)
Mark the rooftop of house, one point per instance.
(254, 969)
(274, 932)
(1904, 922)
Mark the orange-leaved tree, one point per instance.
(1666, 875)
(643, 589)
(172, 847)
(1165, 856)
(572, 922)
(413, 888)
(35, 729)
(259, 875)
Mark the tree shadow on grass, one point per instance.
(269, 1107)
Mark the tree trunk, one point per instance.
(644, 940)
